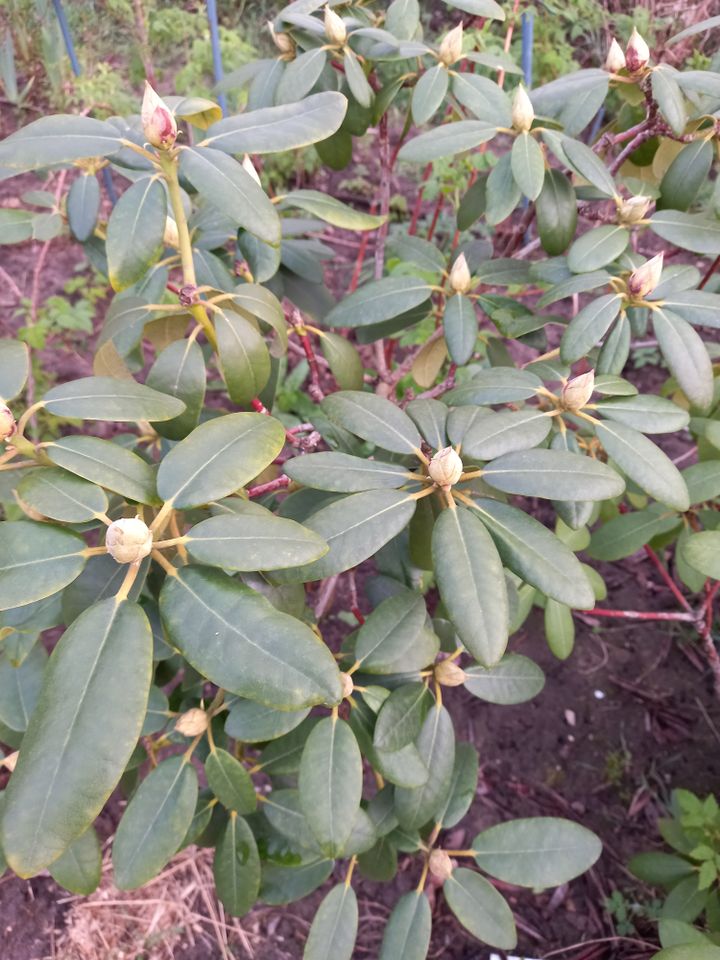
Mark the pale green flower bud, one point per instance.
(634, 210)
(335, 29)
(451, 46)
(615, 61)
(192, 723)
(578, 390)
(441, 866)
(643, 281)
(128, 540)
(446, 467)
(460, 278)
(449, 674)
(283, 41)
(7, 421)
(522, 110)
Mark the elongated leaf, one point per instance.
(61, 138)
(105, 398)
(180, 372)
(690, 231)
(597, 248)
(14, 366)
(223, 182)
(407, 933)
(696, 306)
(430, 417)
(447, 140)
(279, 128)
(36, 560)
(237, 639)
(463, 785)
(79, 869)
(331, 210)
(20, 687)
(589, 326)
(254, 723)
(436, 744)
(703, 481)
(646, 413)
(373, 418)
(515, 679)
(536, 555)
(471, 583)
(378, 301)
(702, 552)
(135, 232)
(556, 212)
(644, 463)
(334, 928)
(574, 98)
(505, 432)
(687, 357)
(480, 908)
(345, 473)
(236, 868)
(344, 361)
(628, 532)
(429, 93)
(538, 852)
(390, 632)
(554, 474)
(483, 97)
(528, 165)
(219, 457)
(330, 783)
(300, 76)
(83, 206)
(244, 358)
(230, 782)
(503, 194)
(107, 464)
(401, 716)
(590, 167)
(253, 543)
(685, 176)
(155, 822)
(461, 328)
(60, 495)
(355, 528)
(495, 385)
(668, 96)
(356, 79)
(70, 764)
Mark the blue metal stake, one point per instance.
(528, 33)
(75, 64)
(216, 54)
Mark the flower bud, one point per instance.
(451, 46)
(446, 467)
(335, 29)
(460, 279)
(171, 237)
(522, 110)
(10, 761)
(441, 866)
(347, 685)
(637, 53)
(249, 168)
(128, 540)
(644, 280)
(615, 60)
(449, 674)
(7, 421)
(283, 41)
(633, 210)
(577, 391)
(159, 124)
(192, 723)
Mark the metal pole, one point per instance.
(75, 65)
(216, 54)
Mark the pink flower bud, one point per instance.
(7, 421)
(637, 53)
(159, 124)
(644, 280)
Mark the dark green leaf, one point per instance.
(480, 908)
(230, 782)
(107, 464)
(515, 679)
(135, 232)
(107, 398)
(36, 561)
(236, 867)
(334, 928)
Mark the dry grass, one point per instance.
(176, 915)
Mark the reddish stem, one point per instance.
(436, 214)
(639, 615)
(259, 407)
(676, 592)
(710, 271)
(279, 483)
(417, 209)
(314, 388)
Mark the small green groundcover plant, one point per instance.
(176, 551)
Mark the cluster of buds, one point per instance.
(192, 723)
(445, 468)
(635, 58)
(451, 46)
(522, 110)
(460, 278)
(158, 122)
(643, 281)
(284, 42)
(7, 421)
(128, 540)
(633, 210)
(577, 391)
(335, 29)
